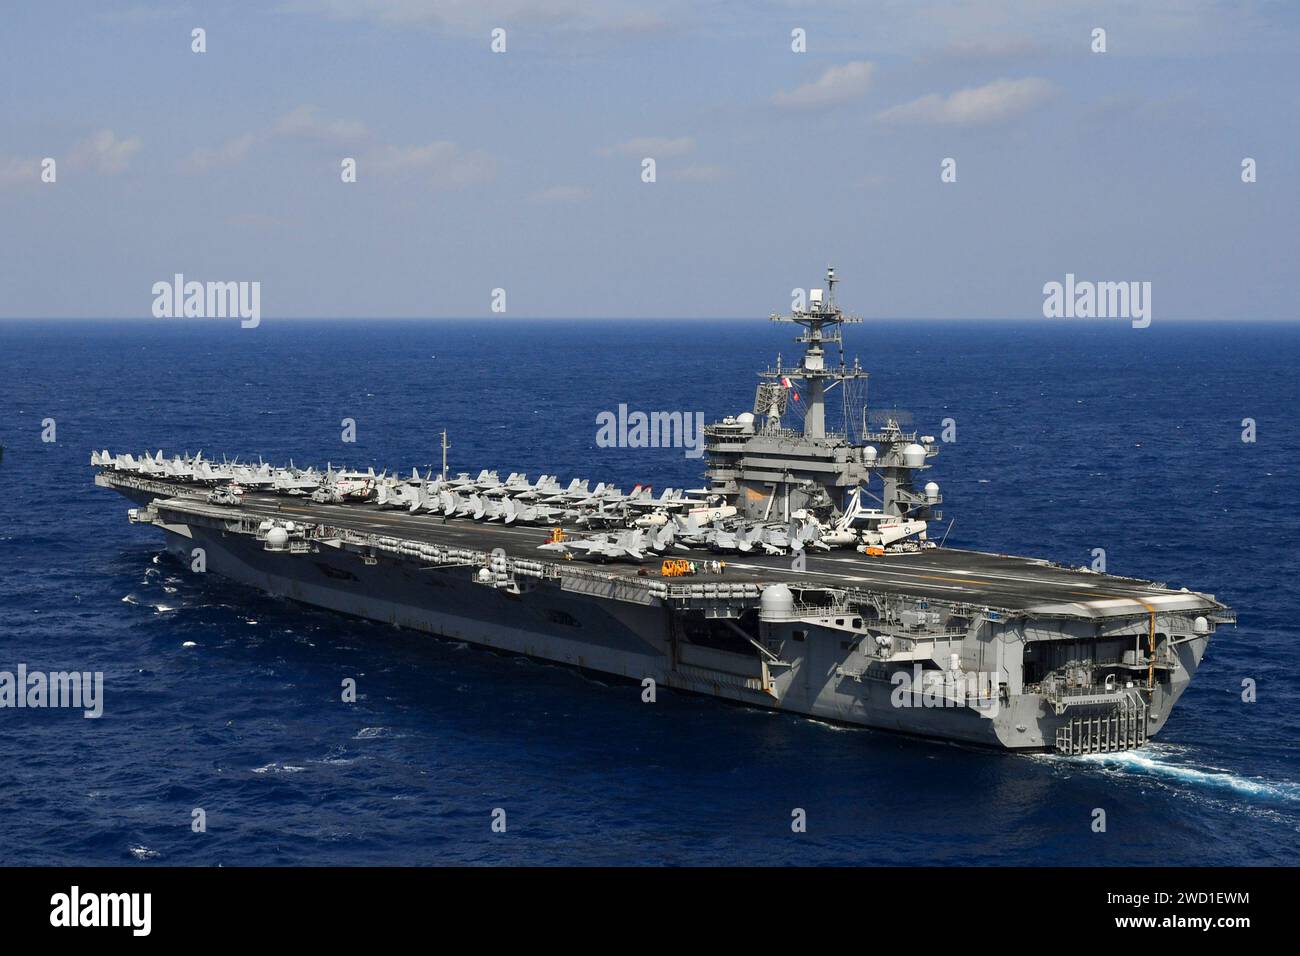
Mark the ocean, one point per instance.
(1070, 436)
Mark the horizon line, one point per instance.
(1260, 320)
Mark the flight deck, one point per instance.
(1001, 581)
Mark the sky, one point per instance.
(522, 170)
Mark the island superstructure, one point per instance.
(802, 577)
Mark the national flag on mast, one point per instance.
(786, 382)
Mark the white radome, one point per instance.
(776, 602)
(277, 539)
(914, 455)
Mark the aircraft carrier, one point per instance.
(802, 577)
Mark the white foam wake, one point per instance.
(1151, 762)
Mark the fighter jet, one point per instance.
(396, 493)
(546, 485)
(150, 467)
(519, 511)
(452, 504)
(178, 469)
(624, 546)
(259, 477)
(485, 479)
(783, 539)
(292, 481)
(487, 507)
(576, 491)
(740, 538)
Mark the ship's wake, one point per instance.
(1167, 764)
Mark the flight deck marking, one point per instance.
(828, 574)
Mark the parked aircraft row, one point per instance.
(632, 525)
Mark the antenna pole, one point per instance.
(445, 446)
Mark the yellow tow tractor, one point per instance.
(676, 568)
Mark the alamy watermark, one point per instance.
(624, 429)
(1098, 300)
(208, 300)
(82, 690)
(76, 908)
(951, 688)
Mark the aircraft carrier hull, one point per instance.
(837, 657)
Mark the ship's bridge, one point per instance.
(770, 470)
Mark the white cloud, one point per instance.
(103, 152)
(306, 123)
(231, 153)
(659, 147)
(987, 105)
(838, 84)
(444, 163)
(561, 194)
(17, 172)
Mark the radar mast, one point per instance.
(821, 321)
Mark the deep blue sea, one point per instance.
(1070, 436)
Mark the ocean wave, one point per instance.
(374, 733)
(277, 767)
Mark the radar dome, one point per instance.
(869, 453)
(931, 491)
(277, 539)
(914, 455)
(777, 602)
